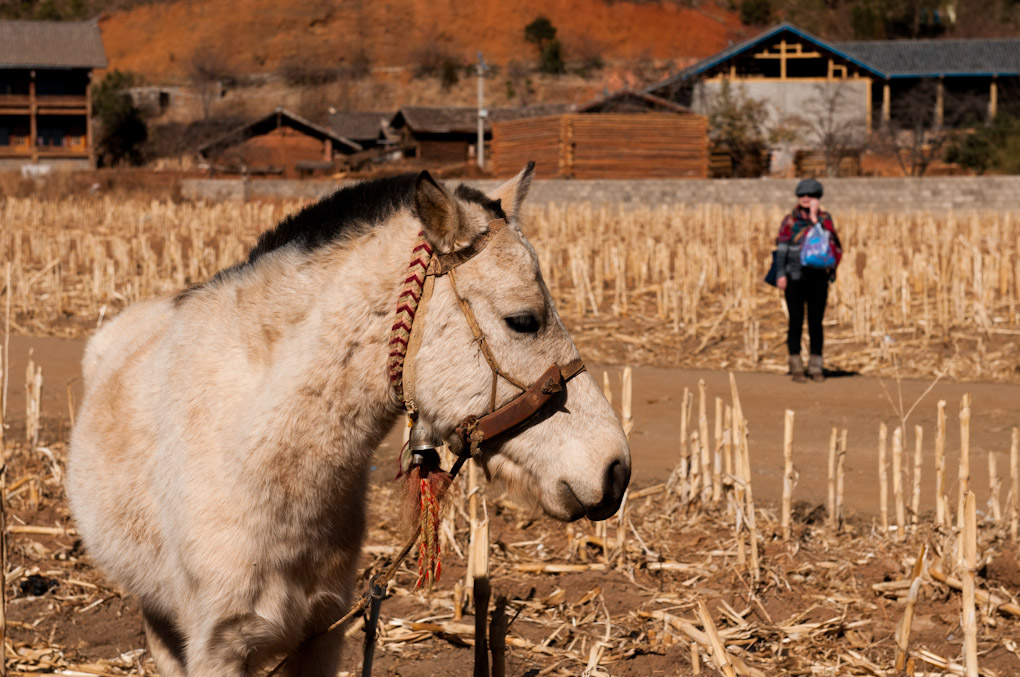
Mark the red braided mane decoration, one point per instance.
(407, 305)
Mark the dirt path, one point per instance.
(856, 403)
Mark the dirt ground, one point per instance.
(812, 611)
(858, 404)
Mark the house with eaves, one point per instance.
(45, 92)
(897, 84)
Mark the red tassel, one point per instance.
(426, 488)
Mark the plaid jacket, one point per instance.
(792, 231)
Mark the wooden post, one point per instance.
(833, 439)
(886, 104)
(970, 565)
(897, 483)
(482, 591)
(993, 99)
(883, 478)
(940, 465)
(915, 496)
(787, 473)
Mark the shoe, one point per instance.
(814, 368)
(797, 369)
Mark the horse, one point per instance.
(219, 465)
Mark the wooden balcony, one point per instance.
(18, 104)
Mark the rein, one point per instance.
(422, 459)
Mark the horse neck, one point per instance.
(337, 307)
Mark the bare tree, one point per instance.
(835, 123)
(915, 134)
(208, 71)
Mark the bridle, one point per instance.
(405, 340)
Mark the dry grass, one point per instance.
(679, 286)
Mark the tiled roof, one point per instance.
(884, 58)
(359, 125)
(53, 44)
(271, 121)
(628, 100)
(454, 120)
(906, 58)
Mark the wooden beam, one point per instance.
(940, 103)
(993, 98)
(782, 59)
(33, 129)
(867, 106)
(886, 104)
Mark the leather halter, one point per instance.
(473, 430)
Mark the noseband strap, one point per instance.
(406, 339)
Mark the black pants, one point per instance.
(812, 290)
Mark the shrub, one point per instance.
(120, 129)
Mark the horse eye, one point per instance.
(523, 324)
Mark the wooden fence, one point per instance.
(603, 146)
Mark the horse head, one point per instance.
(572, 454)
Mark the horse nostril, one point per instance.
(617, 479)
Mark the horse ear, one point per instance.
(438, 211)
(512, 193)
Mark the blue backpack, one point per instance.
(816, 251)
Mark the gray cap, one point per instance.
(809, 187)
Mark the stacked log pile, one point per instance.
(604, 146)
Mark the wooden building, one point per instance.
(625, 135)
(447, 135)
(45, 92)
(867, 85)
(279, 143)
(368, 129)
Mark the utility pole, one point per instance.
(482, 113)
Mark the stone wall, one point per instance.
(876, 194)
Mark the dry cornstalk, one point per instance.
(728, 440)
(994, 486)
(472, 489)
(717, 453)
(964, 476)
(685, 460)
(915, 487)
(695, 658)
(3, 569)
(626, 400)
(840, 477)
(706, 460)
(1014, 480)
(606, 389)
(833, 439)
(719, 653)
(941, 501)
(985, 598)
(883, 478)
(787, 473)
(969, 568)
(897, 480)
(903, 631)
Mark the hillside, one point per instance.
(165, 41)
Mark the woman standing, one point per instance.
(804, 284)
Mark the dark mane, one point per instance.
(334, 217)
(340, 215)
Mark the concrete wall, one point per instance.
(878, 194)
(837, 106)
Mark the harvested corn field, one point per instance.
(681, 287)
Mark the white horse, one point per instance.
(219, 466)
